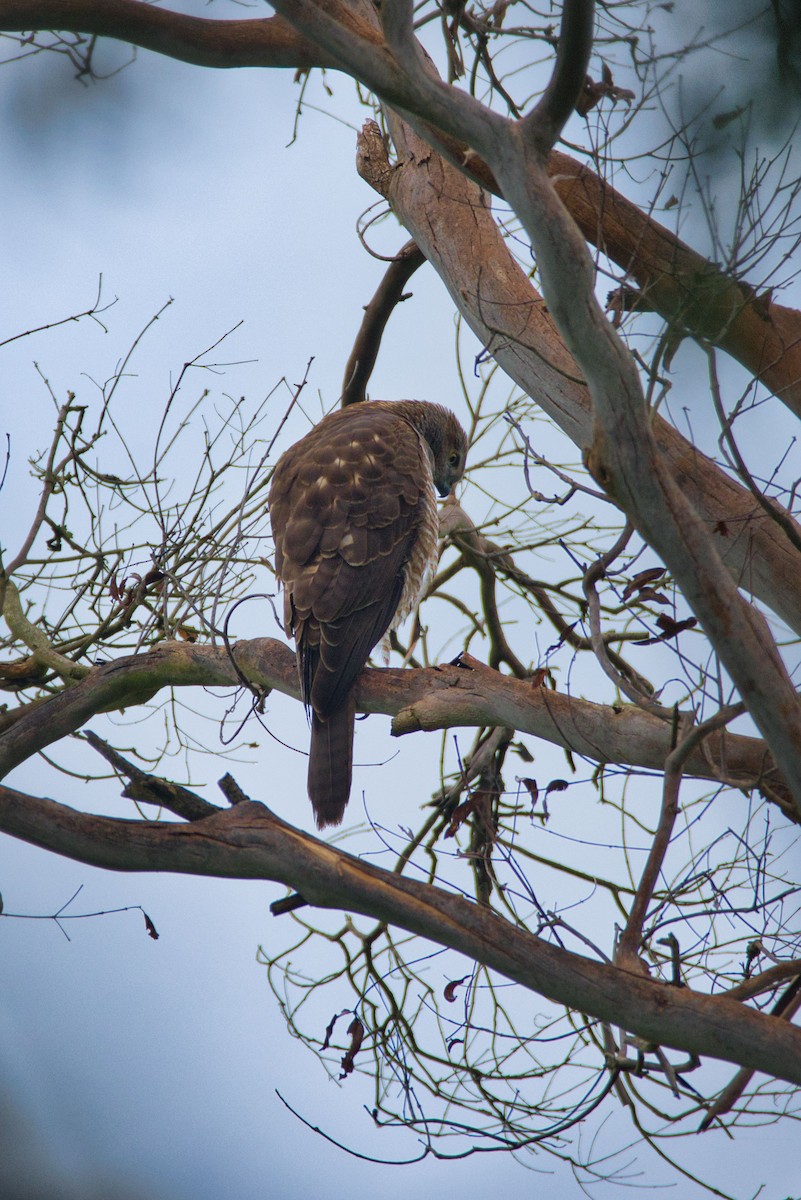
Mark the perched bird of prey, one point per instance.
(354, 518)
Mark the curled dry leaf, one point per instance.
(595, 90)
(670, 629)
(532, 788)
(648, 595)
(460, 815)
(329, 1029)
(450, 988)
(642, 580)
(356, 1031)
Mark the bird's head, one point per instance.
(449, 456)
(446, 440)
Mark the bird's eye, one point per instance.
(453, 457)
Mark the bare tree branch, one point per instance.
(545, 122)
(426, 699)
(267, 42)
(151, 789)
(362, 357)
(250, 842)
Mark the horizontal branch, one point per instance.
(427, 699)
(261, 42)
(249, 842)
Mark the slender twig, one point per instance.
(627, 950)
(626, 681)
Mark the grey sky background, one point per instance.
(151, 1067)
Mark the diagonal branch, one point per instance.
(389, 293)
(249, 842)
(545, 122)
(152, 789)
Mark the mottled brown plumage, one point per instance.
(354, 517)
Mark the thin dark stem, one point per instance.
(389, 293)
(629, 943)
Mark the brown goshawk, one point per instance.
(354, 518)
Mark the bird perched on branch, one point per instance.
(354, 518)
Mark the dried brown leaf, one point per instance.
(356, 1031)
(532, 788)
(641, 580)
(329, 1029)
(450, 988)
(670, 629)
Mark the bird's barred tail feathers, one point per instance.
(331, 763)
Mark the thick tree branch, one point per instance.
(543, 125)
(430, 699)
(249, 842)
(268, 42)
(399, 75)
(462, 241)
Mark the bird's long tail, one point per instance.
(331, 763)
